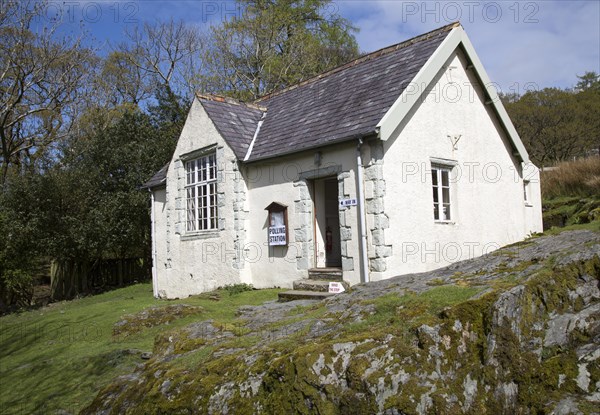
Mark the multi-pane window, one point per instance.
(441, 193)
(201, 193)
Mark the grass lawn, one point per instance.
(60, 356)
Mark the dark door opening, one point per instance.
(328, 251)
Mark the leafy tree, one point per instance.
(169, 113)
(89, 204)
(27, 216)
(274, 44)
(556, 125)
(589, 100)
(101, 174)
(589, 80)
(107, 214)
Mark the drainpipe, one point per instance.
(361, 214)
(153, 230)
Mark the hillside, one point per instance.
(55, 359)
(516, 331)
(571, 193)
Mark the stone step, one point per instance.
(315, 285)
(302, 295)
(326, 274)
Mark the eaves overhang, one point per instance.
(410, 97)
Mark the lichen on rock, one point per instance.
(524, 340)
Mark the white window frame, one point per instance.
(201, 194)
(444, 212)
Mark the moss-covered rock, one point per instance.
(152, 317)
(528, 347)
(564, 211)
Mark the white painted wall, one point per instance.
(159, 237)
(190, 263)
(273, 181)
(488, 206)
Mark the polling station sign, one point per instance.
(277, 235)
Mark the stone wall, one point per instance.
(303, 232)
(189, 263)
(345, 190)
(240, 214)
(377, 219)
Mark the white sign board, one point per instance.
(336, 287)
(277, 235)
(348, 202)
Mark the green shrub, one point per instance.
(234, 289)
(16, 289)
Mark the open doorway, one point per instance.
(328, 251)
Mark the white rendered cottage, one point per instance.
(401, 161)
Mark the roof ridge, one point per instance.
(364, 58)
(228, 100)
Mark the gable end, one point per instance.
(410, 97)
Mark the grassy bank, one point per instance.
(60, 356)
(571, 194)
(579, 178)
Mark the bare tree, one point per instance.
(40, 80)
(167, 52)
(121, 81)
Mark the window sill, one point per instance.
(192, 236)
(527, 204)
(444, 222)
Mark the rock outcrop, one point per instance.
(514, 332)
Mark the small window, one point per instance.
(201, 193)
(526, 191)
(440, 177)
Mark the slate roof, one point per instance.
(338, 105)
(235, 121)
(344, 103)
(159, 179)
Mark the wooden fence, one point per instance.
(70, 278)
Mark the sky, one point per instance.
(522, 44)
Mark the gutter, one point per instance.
(361, 214)
(154, 259)
(260, 123)
(343, 140)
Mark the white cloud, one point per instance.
(545, 42)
